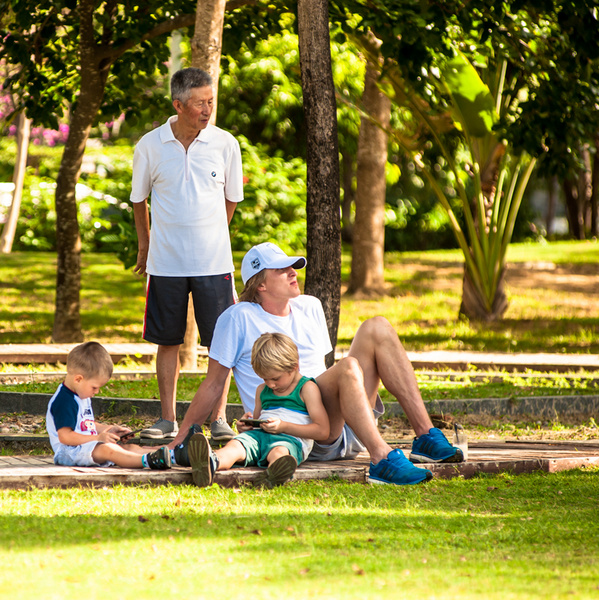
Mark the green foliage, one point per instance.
(43, 43)
(102, 195)
(260, 95)
(475, 63)
(274, 208)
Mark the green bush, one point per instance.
(274, 208)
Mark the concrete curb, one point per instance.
(540, 407)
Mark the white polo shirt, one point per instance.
(189, 232)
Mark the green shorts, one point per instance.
(258, 444)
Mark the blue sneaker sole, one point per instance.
(427, 477)
(457, 457)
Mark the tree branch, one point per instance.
(112, 53)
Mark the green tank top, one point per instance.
(293, 401)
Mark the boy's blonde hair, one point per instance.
(274, 352)
(90, 360)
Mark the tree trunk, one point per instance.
(206, 47)
(551, 204)
(347, 161)
(67, 319)
(10, 227)
(595, 191)
(474, 306)
(368, 251)
(323, 272)
(574, 209)
(585, 188)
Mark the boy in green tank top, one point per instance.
(288, 417)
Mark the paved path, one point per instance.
(21, 472)
(57, 353)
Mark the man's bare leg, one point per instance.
(345, 400)
(383, 359)
(167, 374)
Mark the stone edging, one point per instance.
(541, 407)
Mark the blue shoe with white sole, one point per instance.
(396, 469)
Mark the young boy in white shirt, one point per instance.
(76, 438)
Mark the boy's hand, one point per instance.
(120, 430)
(108, 436)
(273, 425)
(241, 427)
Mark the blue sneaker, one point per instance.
(433, 447)
(397, 469)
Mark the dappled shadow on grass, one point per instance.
(469, 514)
(26, 327)
(572, 335)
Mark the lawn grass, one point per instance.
(500, 537)
(433, 386)
(546, 314)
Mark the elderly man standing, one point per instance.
(192, 172)
(272, 301)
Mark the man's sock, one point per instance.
(144, 461)
(173, 461)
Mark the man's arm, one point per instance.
(230, 207)
(142, 226)
(205, 399)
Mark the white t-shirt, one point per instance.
(66, 409)
(190, 233)
(242, 324)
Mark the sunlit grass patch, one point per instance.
(532, 536)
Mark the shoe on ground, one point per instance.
(220, 431)
(280, 471)
(162, 429)
(398, 470)
(181, 451)
(203, 461)
(433, 447)
(159, 460)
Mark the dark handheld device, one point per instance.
(129, 434)
(253, 422)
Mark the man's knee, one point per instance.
(349, 368)
(375, 324)
(375, 331)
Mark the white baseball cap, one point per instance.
(267, 256)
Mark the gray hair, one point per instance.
(183, 81)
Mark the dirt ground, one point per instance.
(486, 427)
(477, 427)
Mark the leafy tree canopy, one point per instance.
(42, 42)
(550, 47)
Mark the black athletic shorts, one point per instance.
(165, 320)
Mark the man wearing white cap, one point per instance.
(272, 301)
